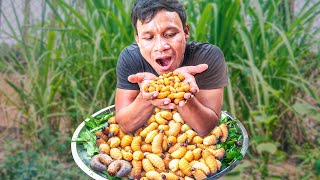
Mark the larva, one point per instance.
(165, 143)
(206, 153)
(114, 142)
(218, 164)
(211, 163)
(174, 165)
(127, 148)
(147, 166)
(180, 174)
(174, 130)
(175, 147)
(219, 153)
(121, 134)
(104, 149)
(164, 127)
(126, 155)
(171, 123)
(224, 129)
(96, 164)
(185, 167)
(172, 140)
(197, 153)
(182, 138)
(151, 119)
(112, 120)
(217, 132)
(119, 168)
(179, 153)
(146, 148)
(138, 131)
(166, 159)
(156, 161)
(102, 135)
(169, 176)
(191, 134)
(105, 130)
(202, 146)
(178, 118)
(137, 169)
(115, 153)
(185, 128)
(126, 141)
(153, 175)
(197, 140)
(148, 129)
(162, 117)
(202, 166)
(136, 143)
(113, 130)
(160, 120)
(157, 143)
(138, 155)
(188, 156)
(191, 147)
(100, 141)
(105, 159)
(198, 174)
(210, 140)
(150, 136)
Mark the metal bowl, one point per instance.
(80, 155)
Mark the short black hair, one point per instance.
(145, 10)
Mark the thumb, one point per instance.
(197, 69)
(139, 77)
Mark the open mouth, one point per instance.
(165, 63)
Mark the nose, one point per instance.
(161, 44)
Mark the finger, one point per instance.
(139, 77)
(161, 102)
(193, 87)
(169, 106)
(150, 95)
(196, 69)
(182, 103)
(188, 96)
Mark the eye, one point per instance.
(168, 35)
(147, 38)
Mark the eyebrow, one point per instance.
(167, 29)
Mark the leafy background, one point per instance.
(62, 69)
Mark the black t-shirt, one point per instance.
(131, 62)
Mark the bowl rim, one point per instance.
(95, 175)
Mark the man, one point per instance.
(161, 34)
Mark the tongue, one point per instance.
(164, 62)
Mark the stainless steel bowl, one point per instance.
(80, 155)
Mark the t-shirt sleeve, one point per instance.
(216, 74)
(125, 68)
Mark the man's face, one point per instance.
(162, 41)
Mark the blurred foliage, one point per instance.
(69, 59)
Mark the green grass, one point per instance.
(69, 59)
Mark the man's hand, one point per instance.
(189, 72)
(143, 79)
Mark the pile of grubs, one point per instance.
(165, 148)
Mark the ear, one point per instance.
(136, 37)
(187, 31)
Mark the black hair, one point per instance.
(145, 10)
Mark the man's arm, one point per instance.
(202, 112)
(131, 109)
